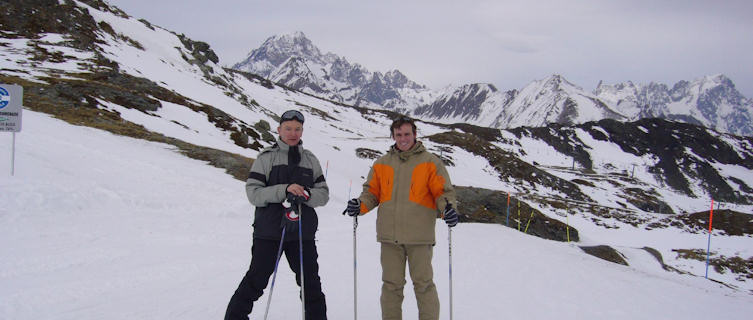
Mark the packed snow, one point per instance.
(102, 226)
(96, 225)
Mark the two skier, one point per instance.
(409, 185)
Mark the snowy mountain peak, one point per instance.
(397, 79)
(330, 75)
(720, 87)
(553, 100)
(711, 101)
(278, 49)
(557, 82)
(719, 79)
(291, 38)
(602, 87)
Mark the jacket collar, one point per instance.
(285, 147)
(417, 148)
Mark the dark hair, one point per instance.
(292, 115)
(399, 122)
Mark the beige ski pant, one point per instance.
(419, 257)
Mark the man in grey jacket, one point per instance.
(283, 172)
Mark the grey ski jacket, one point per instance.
(275, 168)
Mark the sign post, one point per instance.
(11, 101)
(708, 247)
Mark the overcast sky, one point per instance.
(506, 43)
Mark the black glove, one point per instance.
(296, 200)
(354, 207)
(450, 216)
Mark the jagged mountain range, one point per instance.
(710, 101)
(91, 64)
(293, 60)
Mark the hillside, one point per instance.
(105, 226)
(111, 78)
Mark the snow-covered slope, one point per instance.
(475, 103)
(97, 226)
(110, 71)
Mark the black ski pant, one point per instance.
(263, 256)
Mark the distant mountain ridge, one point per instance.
(711, 101)
(293, 60)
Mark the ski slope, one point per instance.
(99, 226)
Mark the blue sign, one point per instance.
(4, 97)
(11, 98)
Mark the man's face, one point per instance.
(404, 137)
(290, 132)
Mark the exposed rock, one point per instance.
(488, 206)
(605, 252)
(366, 153)
(729, 222)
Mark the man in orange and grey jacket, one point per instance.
(409, 185)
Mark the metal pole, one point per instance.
(529, 222)
(277, 262)
(449, 241)
(708, 246)
(13, 156)
(507, 220)
(300, 255)
(708, 255)
(355, 270)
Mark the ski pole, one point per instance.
(355, 268)
(300, 255)
(449, 241)
(449, 246)
(277, 262)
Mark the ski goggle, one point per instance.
(291, 115)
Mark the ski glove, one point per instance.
(296, 200)
(290, 214)
(354, 207)
(450, 216)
